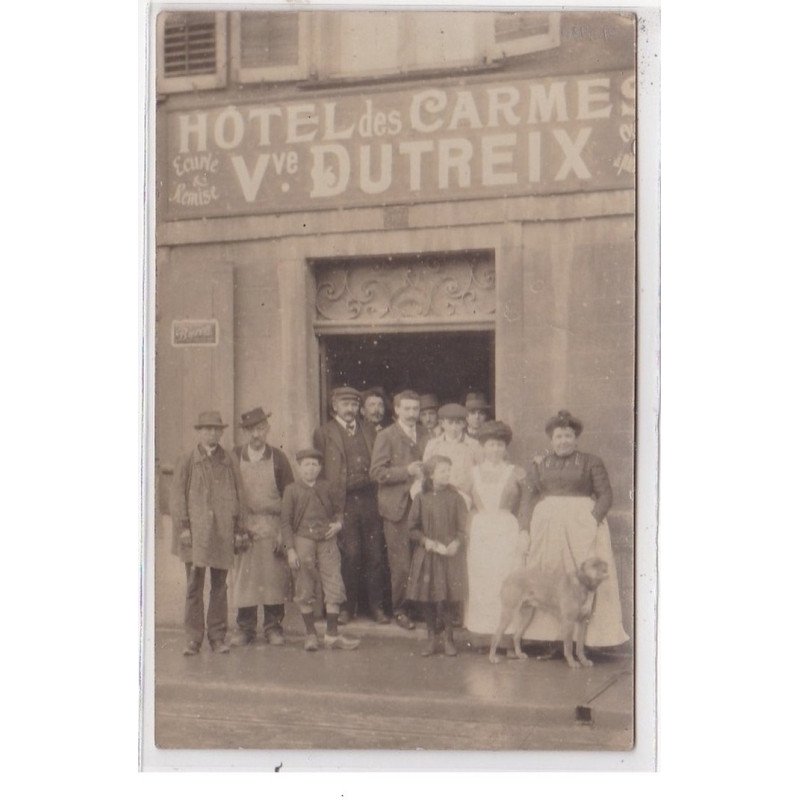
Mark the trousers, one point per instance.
(361, 546)
(398, 548)
(247, 618)
(195, 621)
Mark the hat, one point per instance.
(563, 420)
(345, 393)
(428, 401)
(453, 411)
(476, 401)
(309, 452)
(210, 419)
(252, 418)
(495, 429)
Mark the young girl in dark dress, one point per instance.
(438, 524)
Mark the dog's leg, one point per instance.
(524, 618)
(505, 618)
(582, 625)
(568, 632)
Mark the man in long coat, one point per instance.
(260, 572)
(396, 464)
(346, 445)
(205, 519)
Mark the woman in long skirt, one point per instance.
(498, 532)
(571, 495)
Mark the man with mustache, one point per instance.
(346, 445)
(260, 572)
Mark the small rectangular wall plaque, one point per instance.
(194, 333)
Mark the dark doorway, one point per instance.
(446, 364)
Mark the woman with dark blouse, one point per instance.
(571, 496)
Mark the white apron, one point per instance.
(492, 552)
(563, 535)
(259, 576)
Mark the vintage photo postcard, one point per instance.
(392, 446)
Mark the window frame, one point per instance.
(527, 44)
(287, 72)
(188, 83)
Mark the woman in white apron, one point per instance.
(260, 575)
(497, 540)
(571, 498)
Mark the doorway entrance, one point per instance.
(447, 364)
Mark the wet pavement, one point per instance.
(385, 695)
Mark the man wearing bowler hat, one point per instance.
(206, 497)
(260, 572)
(477, 412)
(396, 464)
(346, 446)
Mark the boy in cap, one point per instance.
(205, 506)
(463, 451)
(260, 573)
(310, 520)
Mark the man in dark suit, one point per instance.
(396, 464)
(346, 444)
(373, 407)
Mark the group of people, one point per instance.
(432, 495)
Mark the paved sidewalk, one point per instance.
(384, 695)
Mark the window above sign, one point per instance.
(191, 51)
(278, 46)
(522, 32)
(269, 46)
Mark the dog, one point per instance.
(569, 596)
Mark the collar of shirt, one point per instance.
(350, 427)
(209, 451)
(411, 432)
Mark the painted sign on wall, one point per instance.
(428, 144)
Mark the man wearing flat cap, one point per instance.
(477, 413)
(260, 572)
(396, 464)
(206, 497)
(346, 445)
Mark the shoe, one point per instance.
(311, 643)
(345, 617)
(275, 637)
(340, 642)
(430, 645)
(379, 617)
(220, 646)
(242, 638)
(404, 622)
(191, 649)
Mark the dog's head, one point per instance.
(593, 572)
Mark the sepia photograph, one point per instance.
(394, 383)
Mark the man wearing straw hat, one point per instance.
(205, 513)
